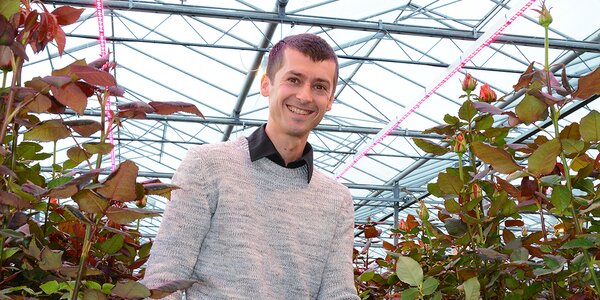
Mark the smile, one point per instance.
(297, 110)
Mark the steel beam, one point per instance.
(368, 26)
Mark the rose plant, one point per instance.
(484, 250)
(69, 232)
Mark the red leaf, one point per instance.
(169, 107)
(71, 95)
(588, 85)
(66, 15)
(60, 39)
(487, 108)
(57, 81)
(93, 76)
(513, 223)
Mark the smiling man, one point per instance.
(253, 219)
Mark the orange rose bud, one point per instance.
(486, 94)
(469, 83)
(460, 145)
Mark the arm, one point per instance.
(184, 225)
(338, 277)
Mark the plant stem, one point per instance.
(87, 244)
(5, 75)
(11, 97)
(563, 159)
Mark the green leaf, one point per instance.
(551, 180)
(112, 245)
(130, 290)
(47, 131)
(519, 254)
(430, 147)
(484, 122)
(579, 243)
(589, 127)
(5, 232)
(498, 158)
(467, 111)
(409, 271)
(128, 215)
(107, 288)
(530, 109)
(449, 184)
(90, 202)
(97, 148)
(410, 294)
(554, 262)
(571, 146)
(471, 289)
(56, 182)
(452, 206)
(450, 119)
(430, 285)
(8, 252)
(9, 8)
(543, 160)
(120, 184)
(50, 287)
(51, 259)
(561, 197)
(93, 285)
(455, 227)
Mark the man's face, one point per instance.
(299, 95)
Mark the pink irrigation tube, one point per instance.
(484, 41)
(102, 42)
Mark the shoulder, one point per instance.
(237, 147)
(330, 184)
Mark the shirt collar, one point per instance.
(260, 146)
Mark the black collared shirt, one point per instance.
(261, 146)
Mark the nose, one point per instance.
(304, 93)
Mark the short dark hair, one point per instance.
(308, 44)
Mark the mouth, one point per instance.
(298, 111)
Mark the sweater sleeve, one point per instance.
(185, 222)
(338, 277)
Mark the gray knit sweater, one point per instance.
(253, 230)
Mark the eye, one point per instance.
(293, 80)
(321, 87)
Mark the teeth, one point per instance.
(298, 110)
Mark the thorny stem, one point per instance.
(87, 244)
(555, 116)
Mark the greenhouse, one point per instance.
(464, 130)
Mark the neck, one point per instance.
(289, 147)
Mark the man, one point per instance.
(252, 219)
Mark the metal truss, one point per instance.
(211, 56)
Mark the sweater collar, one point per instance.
(260, 146)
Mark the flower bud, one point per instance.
(476, 190)
(545, 18)
(486, 94)
(141, 203)
(5, 58)
(460, 145)
(423, 212)
(469, 83)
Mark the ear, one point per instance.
(265, 85)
